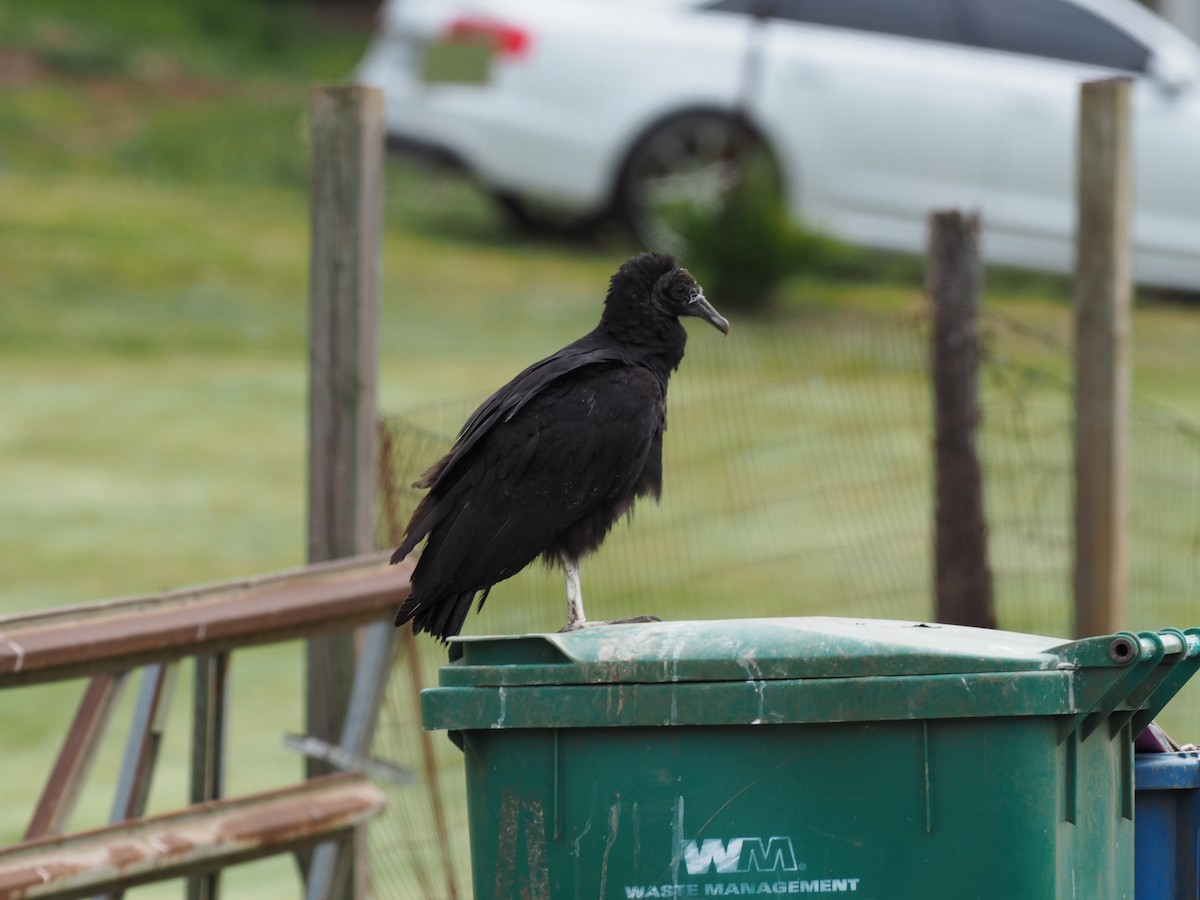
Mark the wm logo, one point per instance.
(740, 854)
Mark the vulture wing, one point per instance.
(566, 367)
(537, 470)
(510, 399)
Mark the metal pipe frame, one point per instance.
(119, 635)
(191, 841)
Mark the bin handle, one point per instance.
(1139, 696)
(1145, 651)
(1181, 670)
(1125, 646)
(1157, 665)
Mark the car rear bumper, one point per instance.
(510, 142)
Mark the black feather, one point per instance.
(553, 459)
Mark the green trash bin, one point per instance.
(808, 756)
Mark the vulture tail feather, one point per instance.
(443, 617)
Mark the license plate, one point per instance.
(456, 63)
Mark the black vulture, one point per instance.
(548, 463)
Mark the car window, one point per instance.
(934, 20)
(1055, 29)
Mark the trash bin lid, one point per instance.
(735, 650)
(811, 669)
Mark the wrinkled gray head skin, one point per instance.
(677, 293)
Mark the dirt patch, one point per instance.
(19, 67)
(148, 73)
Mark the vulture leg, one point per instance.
(575, 617)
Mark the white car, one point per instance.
(873, 112)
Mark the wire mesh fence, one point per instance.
(799, 481)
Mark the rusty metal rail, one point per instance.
(107, 641)
(119, 635)
(197, 839)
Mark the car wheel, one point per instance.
(544, 218)
(684, 164)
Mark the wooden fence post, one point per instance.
(346, 187)
(1102, 299)
(962, 577)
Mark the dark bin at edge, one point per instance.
(809, 756)
(1167, 792)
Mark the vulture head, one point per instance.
(676, 293)
(654, 283)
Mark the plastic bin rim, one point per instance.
(755, 649)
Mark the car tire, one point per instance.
(686, 162)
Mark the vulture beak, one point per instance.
(699, 307)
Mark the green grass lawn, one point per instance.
(154, 251)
